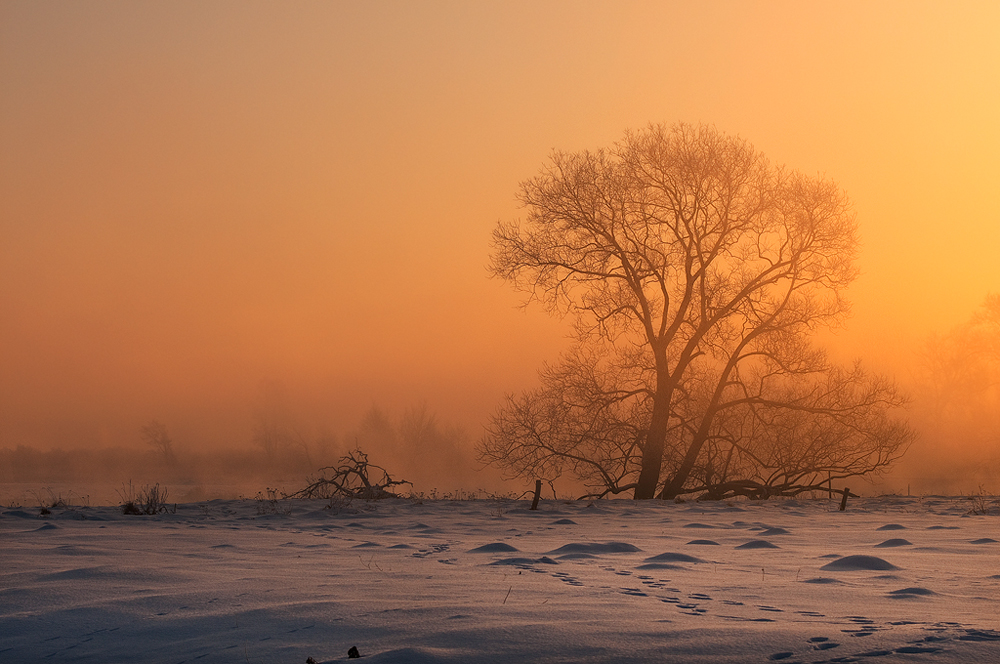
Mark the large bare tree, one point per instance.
(698, 269)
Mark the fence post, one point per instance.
(843, 501)
(538, 494)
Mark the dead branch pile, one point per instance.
(353, 477)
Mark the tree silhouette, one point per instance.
(155, 435)
(694, 271)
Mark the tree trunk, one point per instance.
(674, 487)
(652, 451)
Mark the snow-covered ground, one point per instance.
(491, 581)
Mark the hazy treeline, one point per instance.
(955, 389)
(114, 465)
(413, 444)
(953, 383)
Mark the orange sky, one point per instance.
(198, 196)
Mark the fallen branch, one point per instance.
(352, 478)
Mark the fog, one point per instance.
(217, 216)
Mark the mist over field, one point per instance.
(267, 227)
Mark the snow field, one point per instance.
(890, 580)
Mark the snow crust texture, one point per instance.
(491, 581)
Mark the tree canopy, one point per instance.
(695, 271)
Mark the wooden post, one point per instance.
(843, 501)
(538, 494)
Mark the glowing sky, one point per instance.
(197, 196)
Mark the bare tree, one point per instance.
(958, 399)
(155, 435)
(799, 433)
(960, 369)
(584, 421)
(700, 268)
(272, 430)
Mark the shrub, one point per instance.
(150, 499)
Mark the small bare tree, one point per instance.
(958, 403)
(155, 435)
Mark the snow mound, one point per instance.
(757, 544)
(414, 656)
(911, 592)
(495, 547)
(890, 543)
(20, 514)
(670, 557)
(892, 526)
(649, 566)
(859, 563)
(774, 531)
(544, 560)
(596, 547)
(704, 542)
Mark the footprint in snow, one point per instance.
(567, 579)
(916, 650)
(525, 563)
(692, 609)
(434, 550)
(823, 643)
(866, 626)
